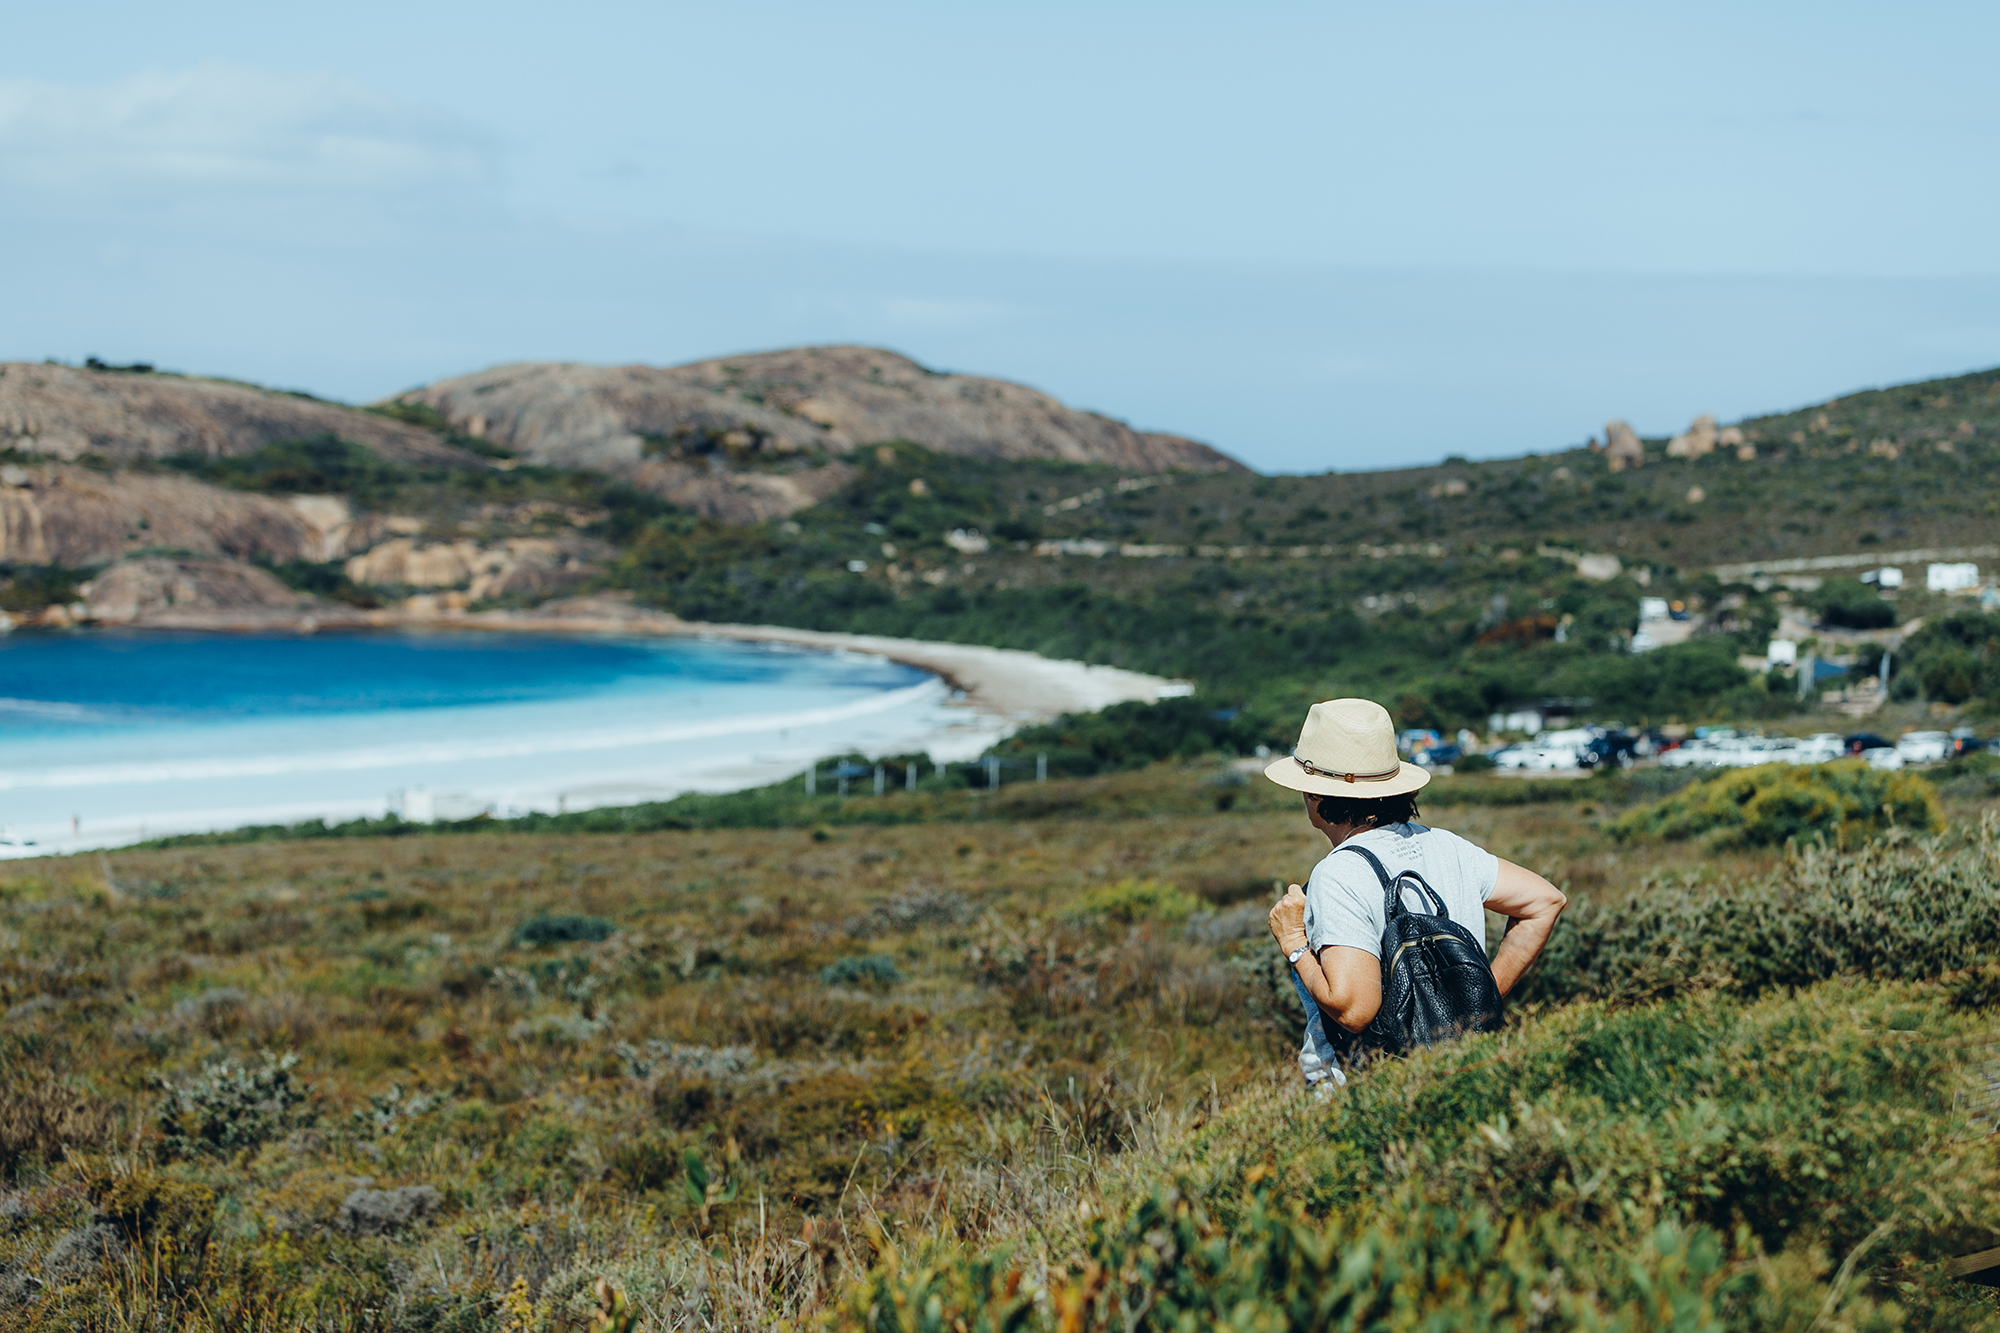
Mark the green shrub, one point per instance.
(1132, 900)
(1852, 604)
(1847, 802)
(1898, 907)
(875, 969)
(229, 1107)
(562, 929)
(1956, 658)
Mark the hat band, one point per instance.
(1319, 772)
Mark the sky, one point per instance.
(1315, 235)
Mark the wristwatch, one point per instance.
(1298, 953)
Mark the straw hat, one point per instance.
(1347, 748)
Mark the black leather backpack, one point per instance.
(1436, 982)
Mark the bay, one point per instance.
(111, 737)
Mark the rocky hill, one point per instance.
(67, 413)
(761, 436)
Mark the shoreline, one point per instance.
(1009, 685)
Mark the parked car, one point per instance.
(1613, 749)
(1439, 756)
(1867, 740)
(1821, 748)
(1695, 753)
(1883, 756)
(1925, 747)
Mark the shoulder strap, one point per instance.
(1392, 889)
(1381, 872)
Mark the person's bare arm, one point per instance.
(1531, 905)
(1346, 982)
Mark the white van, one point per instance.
(1924, 747)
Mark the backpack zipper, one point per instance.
(1428, 939)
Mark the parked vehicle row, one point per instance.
(1723, 747)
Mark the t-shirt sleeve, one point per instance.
(1341, 909)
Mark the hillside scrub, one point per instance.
(1846, 802)
(738, 1072)
(1956, 659)
(1910, 907)
(1695, 1165)
(1852, 604)
(624, 1055)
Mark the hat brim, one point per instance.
(1408, 777)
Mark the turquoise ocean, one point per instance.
(111, 737)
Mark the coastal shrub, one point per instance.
(1898, 907)
(317, 465)
(875, 969)
(562, 929)
(1591, 1168)
(228, 1107)
(1133, 900)
(1975, 776)
(1955, 658)
(1847, 802)
(30, 588)
(1852, 604)
(1132, 735)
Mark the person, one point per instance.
(1358, 793)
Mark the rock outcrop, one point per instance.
(759, 436)
(62, 514)
(1622, 448)
(154, 589)
(65, 413)
(1698, 441)
(536, 566)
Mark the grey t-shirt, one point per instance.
(1344, 898)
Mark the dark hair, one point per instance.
(1375, 812)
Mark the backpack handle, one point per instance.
(1392, 889)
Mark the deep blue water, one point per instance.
(109, 737)
(58, 681)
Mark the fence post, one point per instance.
(1041, 768)
(878, 779)
(993, 773)
(812, 779)
(910, 776)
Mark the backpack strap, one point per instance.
(1392, 889)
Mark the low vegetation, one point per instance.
(1843, 803)
(1000, 1073)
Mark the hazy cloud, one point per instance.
(228, 134)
